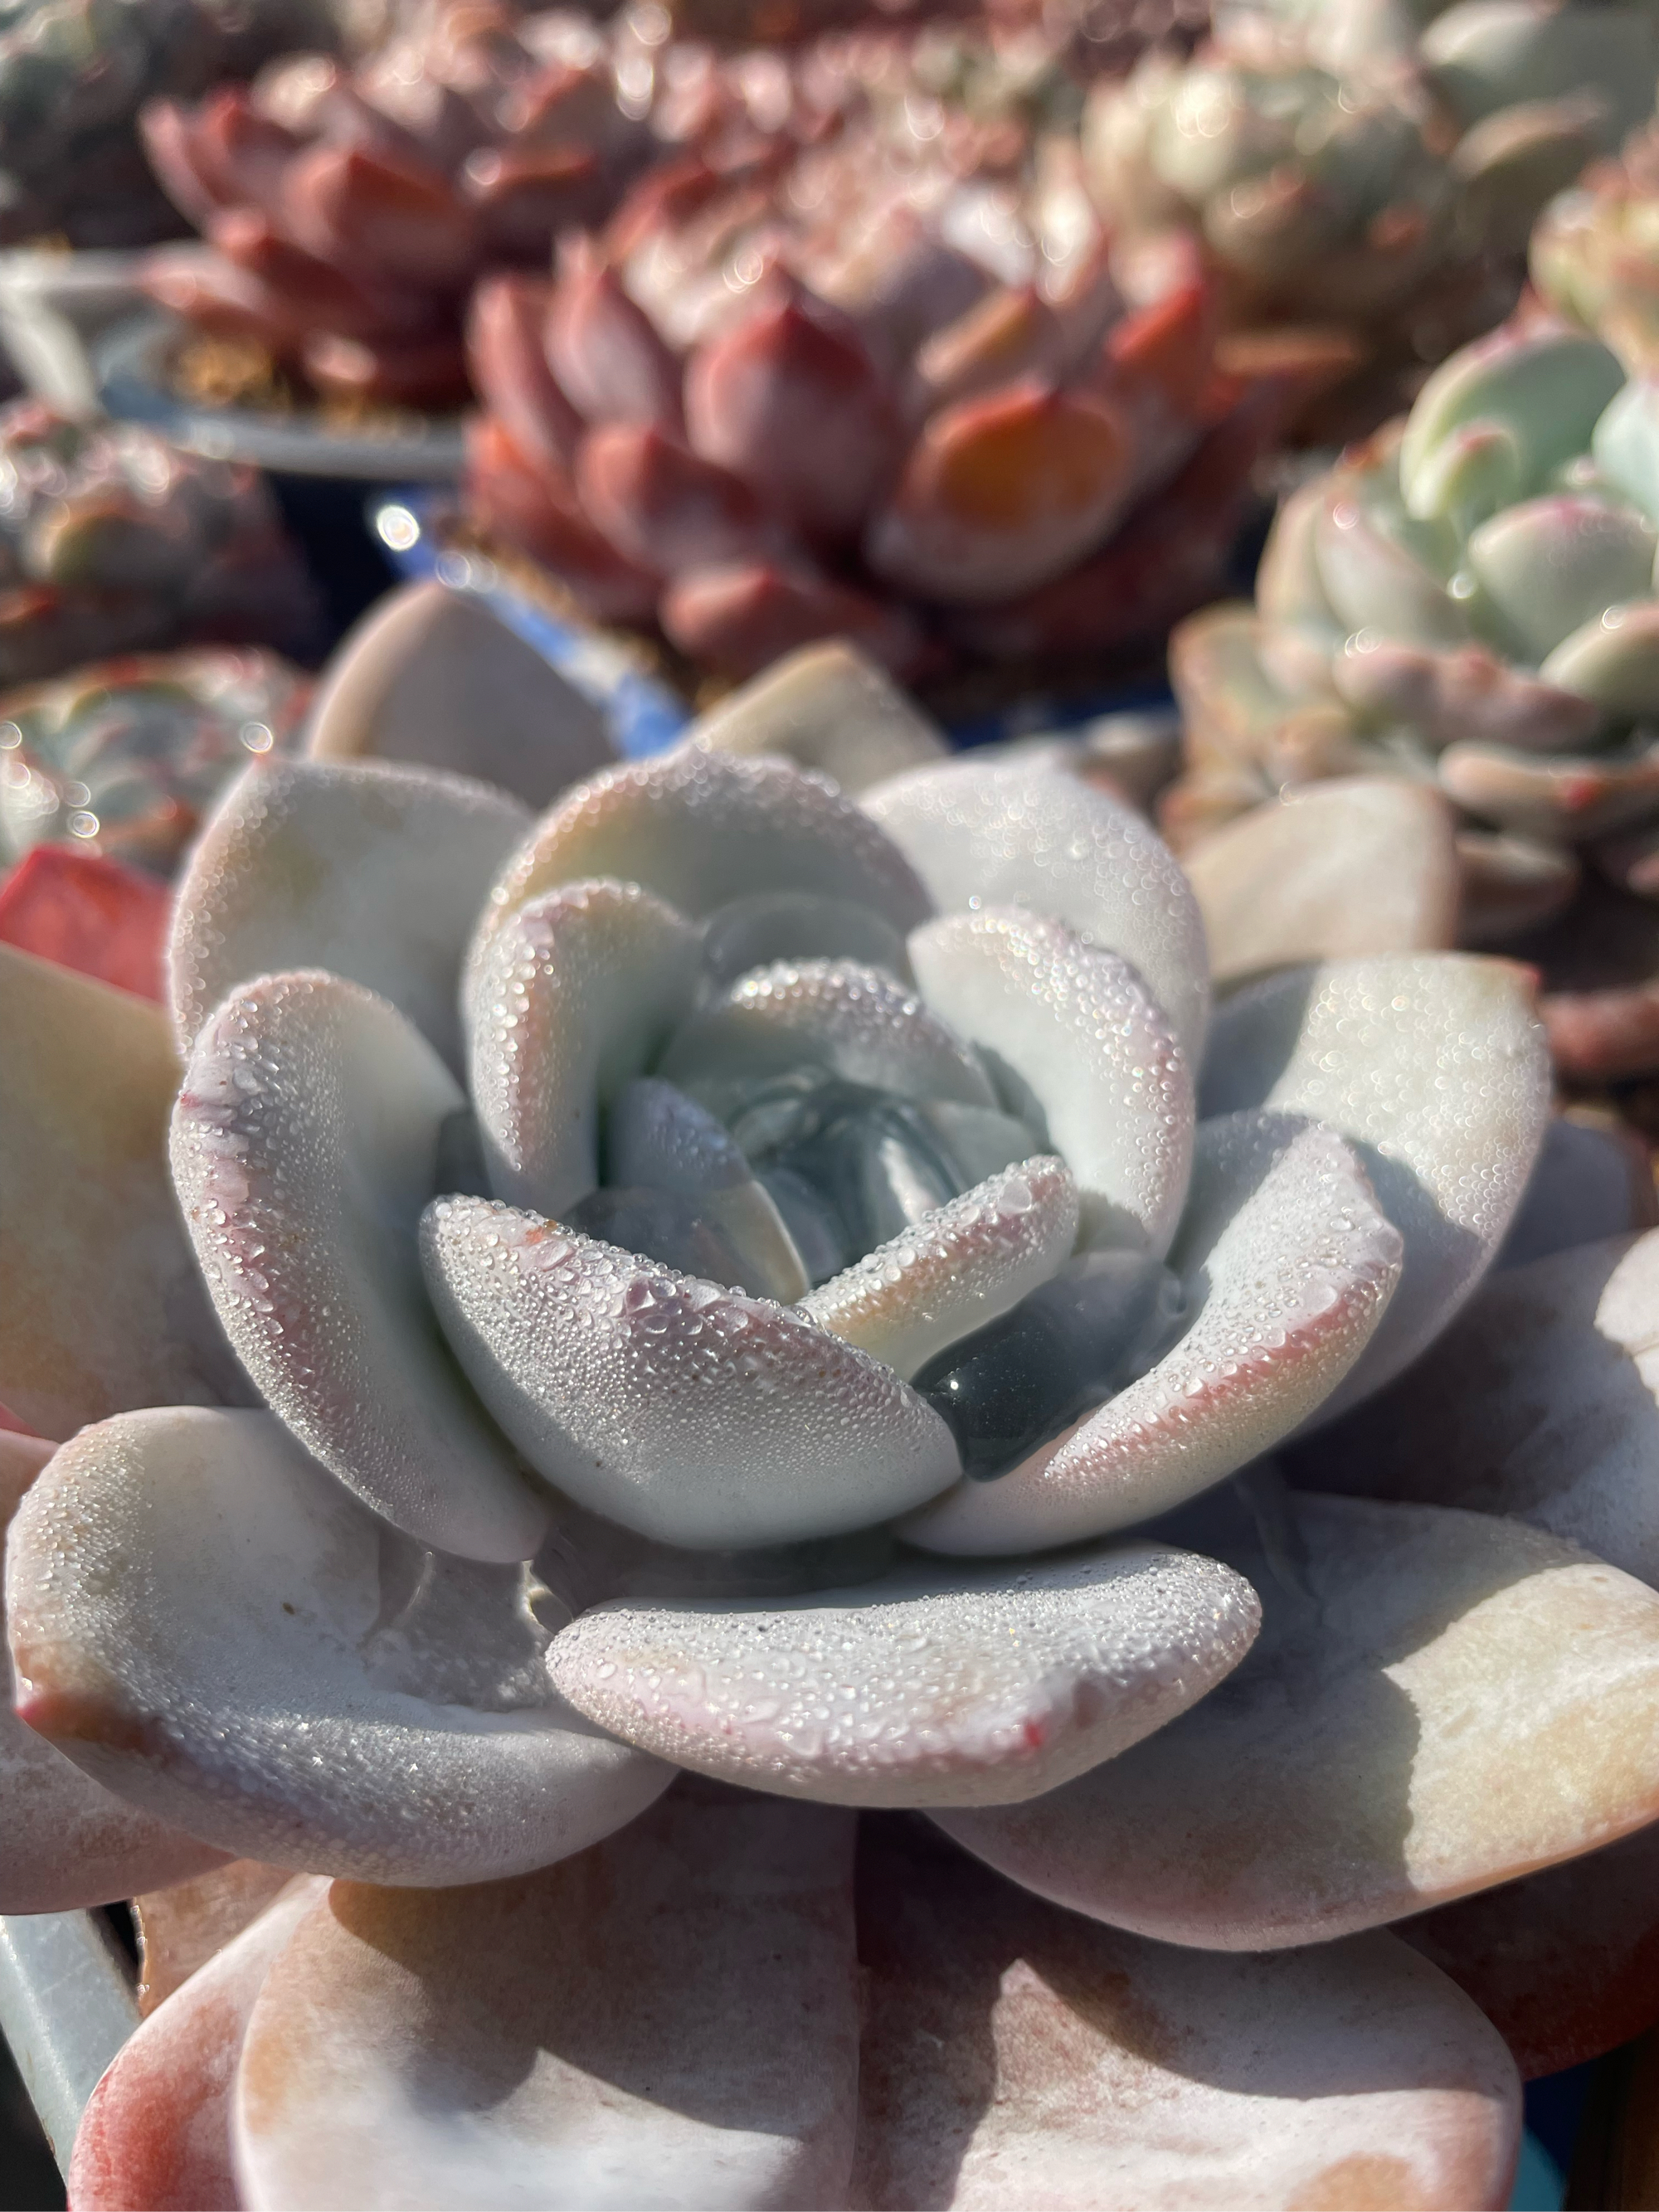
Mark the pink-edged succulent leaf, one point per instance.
(1081, 1033)
(666, 507)
(1010, 333)
(156, 2131)
(738, 617)
(307, 1140)
(386, 214)
(65, 1841)
(1287, 1265)
(938, 1686)
(571, 998)
(1435, 1066)
(961, 1266)
(243, 1646)
(1562, 798)
(787, 399)
(101, 1308)
(376, 2056)
(603, 350)
(700, 829)
(1013, 2053)
(507, 358)
(374, 870)
(226, 153)
(315, 290)
(690, 1413)
(1028, 835)
(532, 508)
(1438, 1703)
(1002, 493)
(432, 678)
(1466, 693)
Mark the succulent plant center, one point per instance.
(770, 1181)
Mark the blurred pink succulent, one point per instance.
(113, 540)
(347, 212)
(759, 1296)
(837, 396)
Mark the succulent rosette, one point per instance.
(112, 540)
(855, 396)
(1594, 252)
(1347, 165)
(126, 757)
(73, 75)
(348, 210)
(1466, 603)
(756, 1297)
(104, 778)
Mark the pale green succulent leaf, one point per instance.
(1547, 565)
(1546, 387)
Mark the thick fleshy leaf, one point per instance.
(1371, 578)
(1003, 493)
(372, 871)
(604, 350)
(665, 506)
(572, 997)
(1334, 870)
(507, 364)
(787, 398)
(1287, 1264)
(1546, 565)
(1545, 384)
(156, 2131)
(961, 1266)
(430, 675)
(65, 1841)
(1435, 1066)
(1560, 798)
(1445, 695)
(180, 1929)
(1438, 1702)
(1012, 2054)
(671, 2018)
(204, 1618)
(1612, 659)
(827, 707)
(101, 1308)
(1010, 833)
(531, 506)
(935, 1686)
(700, 829)
(1565, 1963)
(735, 618)
(687, 1413)
(305, 1141)
(857, 1023)
(1081, 1035)
(1541, 1400)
